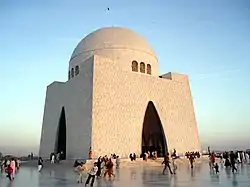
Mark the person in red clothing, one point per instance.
(212, 159)
(9, 171)
(109, 168)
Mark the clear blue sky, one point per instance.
(209, 40)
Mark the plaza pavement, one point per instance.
(135, 174)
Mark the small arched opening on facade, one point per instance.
(77, 71)
(142, 67)
(153, 136)
(149, 69)
(72, 72)
(60, 144)
(135, 66)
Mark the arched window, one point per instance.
(149, 69)
(69, 75)
(142, 67)
(135, 66)
(72, 72)
(77, 70)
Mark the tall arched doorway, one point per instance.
(153, 137)
(60, 146)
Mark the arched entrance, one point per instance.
(153, 137)
(60, 146)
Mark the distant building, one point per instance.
(115, 102)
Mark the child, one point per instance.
(9, 172)
(92, 174)
(80, 169)
(216, 167)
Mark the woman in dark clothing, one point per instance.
(99, 165)
(227, 163)
(232, 160)
(191, 160)
(40, 164)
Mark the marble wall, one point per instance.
(120, 99)
(75, 96)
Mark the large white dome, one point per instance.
(120, 44)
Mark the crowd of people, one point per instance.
(230, 159)
(104, 166)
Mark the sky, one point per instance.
(209, 40)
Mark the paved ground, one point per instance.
(137, 176)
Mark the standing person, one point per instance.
(40, 164)
(9, 172)
(191, 160)
(2, 165)
(247, 158)
(7, 162)
(13, 166)
(166, 161)
(117, 162)
(58, 157)
(174, 165)
(90, 153)
(134, 156)
(216, 167)
(18, 164)
(92, 174)
(212, 159)
(233, 161)
(131, 157)
(80, 169)
(109, 168)
(52, 158)
(99, 165)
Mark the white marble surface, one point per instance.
(136, 176)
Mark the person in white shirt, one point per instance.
(247, 157)
(13, 166)
(52, 159)
(92, 174)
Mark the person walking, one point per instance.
(191, 160)
(92, 174)
(40, 164)
(233, 161)
(9, 172)
(167, 164)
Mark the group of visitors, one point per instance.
(240, 156)
(10, 166)
(194, 154)
(102, 167)
(55, 158)
(167, 162)
(153, 155)
(231, 159)
(132, 156)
